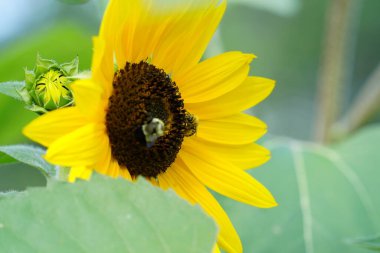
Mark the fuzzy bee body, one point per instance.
(191, 124)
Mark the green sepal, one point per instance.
(36, 108)
(30, 76)
(70, 68)
(86, 74)
(44, 65)
(63, 102)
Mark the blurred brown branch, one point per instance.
(334, 64)
(366, 104)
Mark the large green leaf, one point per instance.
(22, 166)
(369, 242)
(103, 215)
(326, 196)
(30, 155)
(18, 176)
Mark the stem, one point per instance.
(366, 104)
(334, 66)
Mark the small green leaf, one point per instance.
(103, 215)
(368, 242)
(11, 89)
(30, 155)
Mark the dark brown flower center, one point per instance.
(146, 120)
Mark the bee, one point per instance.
(152, 130)
(191, 124)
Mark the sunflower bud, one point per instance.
(47, 86)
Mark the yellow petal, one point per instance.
(233, 130)
(140, 32)
(252, 91)
(104, 44)
(106, 164)
(114, 16)
(188, 187)
(88, 99)
(102, 65)
(105, 159)
(243, 156)
(51, 126)
(189, 28)
(125, 44)
(225, 178)
(173, 33)
(79, 172)
(214, 77)
(79, 148)
(216, 249)
(123, 172)
(153, 181)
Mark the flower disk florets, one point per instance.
(146, 120)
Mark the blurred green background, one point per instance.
(286, 35)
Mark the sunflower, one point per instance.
(151, 108)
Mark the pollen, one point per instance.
(146, 121)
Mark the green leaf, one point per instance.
(11, 89)
(325, 194)
(16, 176)
(4, 158)
(369, 242)
(30, 155)
(9, 194)
(103, 215)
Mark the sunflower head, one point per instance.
(153, 108)
(47, 86)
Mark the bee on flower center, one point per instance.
(191, 124)
(146, 120)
